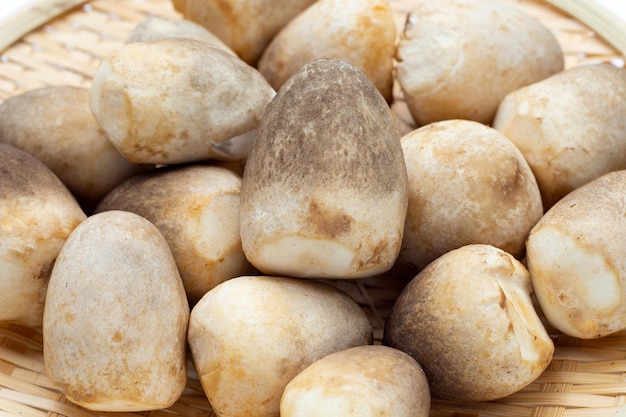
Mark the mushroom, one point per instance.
(469, 321)
(324, 191)
(570, 127)
(196, 208)
(468, 183)
(246, 26)
(576, 259)
(115, 319)
(363, 381)
(251, 335)
(67, 139)
(360, 32)
(457, 59)
(178, 100)
(37, 214)
(155, 27)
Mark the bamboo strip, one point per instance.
(610, 366)
(14, 408)
(588, 354)
(562, 399)
(579, 377)
(599, 19)
(8, 381)
(43, 403)
(600, 389)
(34, 363)
(588, 412)
(31, 16)
(36, 378)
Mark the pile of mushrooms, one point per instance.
(222, 168)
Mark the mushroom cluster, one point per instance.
(224, 171)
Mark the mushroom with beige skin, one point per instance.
(576, 259)
(246, 26)
(469, 320)
(457, 59)
(363, 381)
(324, 190)
(360, 32)
(37, 214)
(153, 28)
(570, 127)
(178, 100)
(251, 335)
(68, 139)
(116, 315)
(468, 184)
(196, 208)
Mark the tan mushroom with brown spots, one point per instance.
(324, 191)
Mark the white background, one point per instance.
(616, 6)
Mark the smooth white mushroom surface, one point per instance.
(250, 336)
(37, 214)
(115, 318)
(576, 259)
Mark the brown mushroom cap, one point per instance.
(246, 26)
(324, 190)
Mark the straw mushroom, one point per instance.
(360, 32)
(251, 335)
(67, 139)
(363, 381)
(468, 184)
(570, 127)
(246, 26)
(576, 259)
(196, 208)
(116, 316)
(153, 28)
(324, 191)
(469, 320)
(457, 59)
(37, 214)
(178, 100)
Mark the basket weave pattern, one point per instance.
(586, 378)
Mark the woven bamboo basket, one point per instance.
(63, 43)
